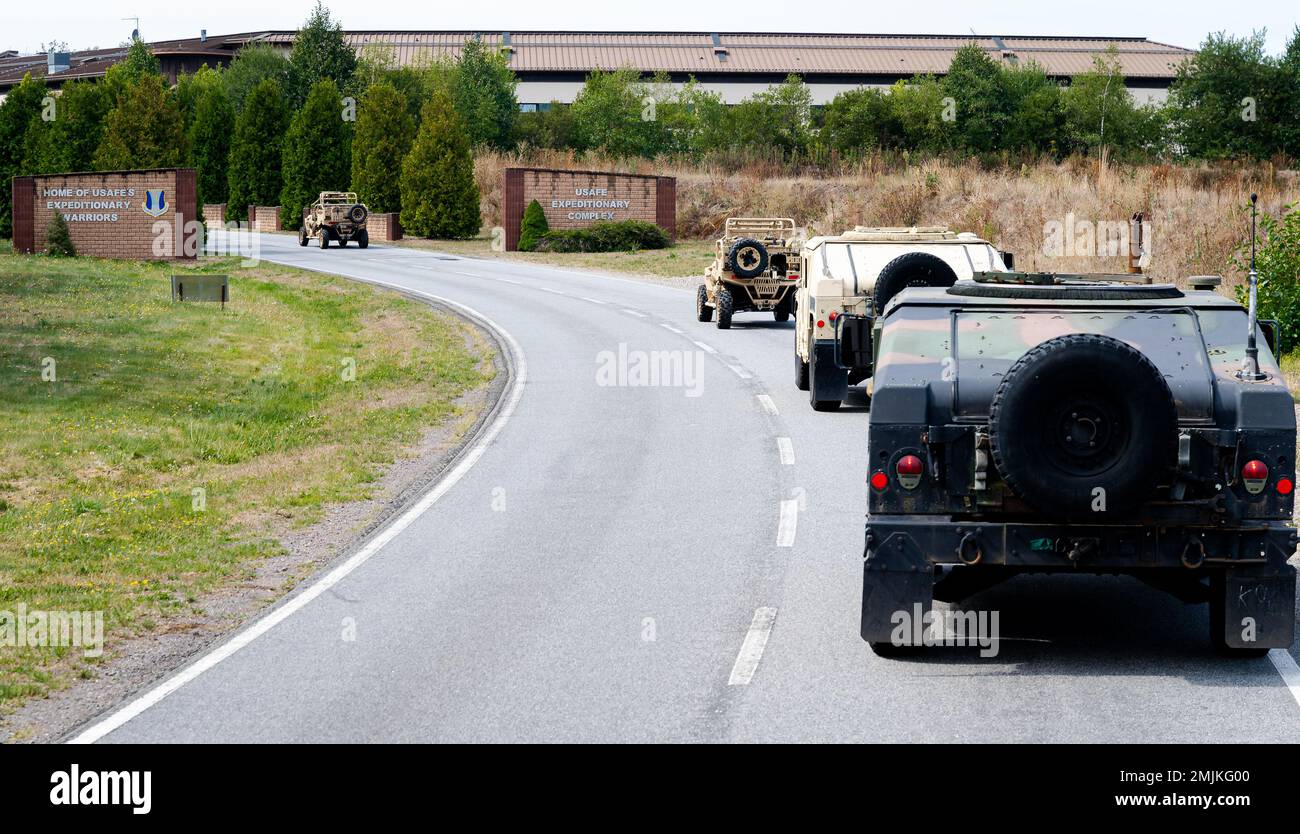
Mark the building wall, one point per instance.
(106, 212)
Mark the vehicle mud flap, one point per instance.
(897, 586)
(1262, 607)
(830, 382)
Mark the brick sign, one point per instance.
(575, 199)
(110, 214)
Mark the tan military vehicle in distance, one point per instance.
(754, 270)
(337, 216)
(847, 279)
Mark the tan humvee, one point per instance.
(754, 270)
(846, 280)
(336, 215)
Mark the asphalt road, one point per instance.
(609, 568)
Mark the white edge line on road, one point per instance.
(1287, 668)
(789, 523)
(296, 602)
(786, 449)
(705, 348)
(766, 401)
(751, 651)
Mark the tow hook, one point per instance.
(969, 551)
(1194, 554)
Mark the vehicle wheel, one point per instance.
(703, 312)
(747, 258)
(818, 405)
(302, 235)
(800, 373)
(883, 648)
(363, 239)
(343, 242)
(1218, 604)
(725, 306)
(1083, 426)
(911, 269)
(357, 214)
(782, 311)
(324, 236)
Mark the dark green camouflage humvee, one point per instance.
(1061, 423)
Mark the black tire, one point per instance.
(343, 242)
(703, 312)
(785, 308)
(302, 235)
(726, 305)
(818, 405)
(1078, 413)
(911, 269)
(324, 236)
(362, 238)
(800, 373)
(883, 648)
(357, 214)
(747, 258)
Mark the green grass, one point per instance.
(152, 400)
(686, 258)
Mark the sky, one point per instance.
(84, 24)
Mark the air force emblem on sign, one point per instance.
(155, 202)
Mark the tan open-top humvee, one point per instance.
(754, 270)
(337, 216)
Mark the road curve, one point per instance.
(673, 563)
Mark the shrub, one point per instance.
(533, 227)
(316, 153)
(617, 236)
(440, 198)
(144, 130)
(17, 112)
(255, 153)
(214, 122)
(1277, 260)
(384, 134)
(58, 240)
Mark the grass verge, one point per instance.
(686, 258)
(152, 450)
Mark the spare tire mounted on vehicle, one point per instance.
(747, 258)
(1083, 425)
(357, 214)
(911, 269)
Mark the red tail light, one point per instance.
(1255, 476)
(821, 323)
(1284, 486)
(879, 480)
(834, 315)
(909, 469)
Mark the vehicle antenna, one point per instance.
(1250, 367)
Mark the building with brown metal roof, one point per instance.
(551, 66)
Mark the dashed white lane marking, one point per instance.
(508, 281)
(705, 348)
(769, 406)
(785, 529)
(786, 450)
(636, 313)
(556, 292)
(751, 651)
(1287, 668)
(592, 300)
(295, 603)
(469, 274)
(740, 372)
(670, 328)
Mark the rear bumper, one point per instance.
(939, 540)
(1251, 580)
